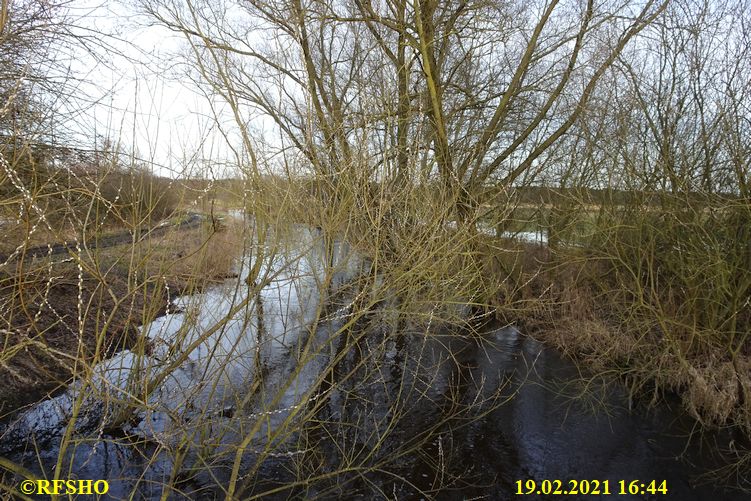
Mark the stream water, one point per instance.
(414, 416)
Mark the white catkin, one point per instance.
(16, 181)
(169, 297)
(80, 292)
(47, 286)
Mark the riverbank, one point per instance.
(574, 303)
(65, 312)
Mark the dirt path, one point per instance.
(193, 221)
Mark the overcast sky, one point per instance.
(136, 94)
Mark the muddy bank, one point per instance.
(44, 339)
(56, 314)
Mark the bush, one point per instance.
(686, 265)
(139, 196)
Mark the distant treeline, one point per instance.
(593, 196)
(230, 190)
(66, 184)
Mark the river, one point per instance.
(415, 414)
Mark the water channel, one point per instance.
(419, 416)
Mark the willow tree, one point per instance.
(465, 94)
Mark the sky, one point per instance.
(135, 94)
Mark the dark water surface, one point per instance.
(539, 429)
(557, 425)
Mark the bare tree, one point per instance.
(470, 92)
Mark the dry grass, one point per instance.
(637, 326)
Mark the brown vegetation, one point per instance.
(406, 130)
(656, 298)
